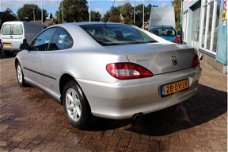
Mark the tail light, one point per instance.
(176, 40)
(195, 61)
(125, 70)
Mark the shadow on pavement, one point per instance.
(3, 56)
(206, 105)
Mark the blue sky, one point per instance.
(99, 5)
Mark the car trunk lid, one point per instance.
(158, 58)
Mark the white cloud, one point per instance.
(100, 10)
(164, 4)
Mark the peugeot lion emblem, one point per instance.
(174, 60)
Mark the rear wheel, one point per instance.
(76, 105)
(20, 75)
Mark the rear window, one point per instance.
(6, 29)
(17, 29)
(116, 34)
(163, 31)
(12, 29)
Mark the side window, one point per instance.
(6, 29)
(60, 40)
(41, 42)
(17, 29)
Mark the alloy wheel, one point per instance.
(73, 104)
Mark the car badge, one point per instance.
(174, 60)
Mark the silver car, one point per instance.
(108, 70)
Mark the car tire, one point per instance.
(76, 105)
(20, 75)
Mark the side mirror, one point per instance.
(24, 45)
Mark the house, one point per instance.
(204, 25)
(50, 21)
(6, 16)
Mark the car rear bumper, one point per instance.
(13, 45)
(123, 99)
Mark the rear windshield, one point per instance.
(12, 29)
(17, 29)
(115, 34)
(163, 31)
(6, 29)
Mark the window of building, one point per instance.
(196, 23)
(185, 26)
(209, 25)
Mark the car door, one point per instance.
(33, 62)
(53, 58)
(6, 36)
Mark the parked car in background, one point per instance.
(0, 43)
(108, 70)
(14, 32)
(166, 32)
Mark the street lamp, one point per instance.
(62, 12)
(34, 17)
(181, 21)
(143, 14)
(42, 11)
(89, 11)
(134, 12)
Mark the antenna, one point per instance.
(106, 19)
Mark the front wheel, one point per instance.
(76, 105)
(20, 75)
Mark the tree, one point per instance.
(177, 10)
(26, 11)
(125, 14)
(126, 10)
(139, 14)
(95, 16)
(73, 11)
(113, 15)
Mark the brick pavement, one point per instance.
(31, 121)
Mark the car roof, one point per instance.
(13, 22)
(164, 27)
(85, 23)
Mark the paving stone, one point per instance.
(32, 121)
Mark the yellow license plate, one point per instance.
(171, 88)
(7, 44)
